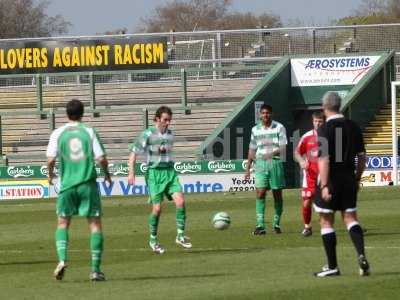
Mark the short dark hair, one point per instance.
(75, 110)
(161, 110)
(267, 107)
(318, 114)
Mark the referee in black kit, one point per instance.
(341, 163)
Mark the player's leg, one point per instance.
(306, 213)
(154, 219)
(262, 185)
(260, 210)
(181, 239)
(277, 183)
(357, 236)
(156, 186)
(66, 207)
(307, 195)
(90, 207)
(278, 205)
(348, 206)
(61, 237)
(329, 242)
(174, 191)
(96, 248)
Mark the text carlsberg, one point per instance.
(187, 167)
(221, 166)
(143, 167)
(118, 169)
(17, 172)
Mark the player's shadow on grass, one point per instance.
(228, 250)
(171, 277)
(39, 262)
(370, 233)
(161, 277)
(379, 274)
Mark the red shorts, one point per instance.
(309, 185)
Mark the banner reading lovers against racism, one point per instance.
(80, 55)
(330, 70)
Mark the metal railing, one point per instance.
(94, 87)
(210, 49)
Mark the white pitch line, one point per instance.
(173, 249)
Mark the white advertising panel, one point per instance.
(230, 182)
(377, 178)
(24, 189)
(330, 70)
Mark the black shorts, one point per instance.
(344, 195)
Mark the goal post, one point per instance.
(395, 174)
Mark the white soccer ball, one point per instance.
(221, 220)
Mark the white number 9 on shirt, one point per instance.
(76, 149)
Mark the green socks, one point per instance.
(153, 225)
(278, 213)
(62, 243)
(180, 220)
(260, 212)
(96, 248)
(180, 223)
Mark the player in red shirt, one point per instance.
(306, 154)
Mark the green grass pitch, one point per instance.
(229, 264)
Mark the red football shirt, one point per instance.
(308, 147)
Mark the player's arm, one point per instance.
(299, 155)
(51, 162)
(361, 156)
(103, 162)
(100, 156)
(361, 160)
(250, 158)
(250, 155)
(323, 164)
(51, 153)
(323, 167)
(281, 150)
(139, 146)
(131, 168)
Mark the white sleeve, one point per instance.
(52, 147)
(253, 143)
(98, 149)
(282, 136)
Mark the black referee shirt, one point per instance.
(341, 140)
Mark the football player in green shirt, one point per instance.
(77, 147)
(161, 178)
(267, 145)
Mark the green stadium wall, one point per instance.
(293, 105)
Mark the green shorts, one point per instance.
(269, 174)
(82, 200)
(160, 182)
